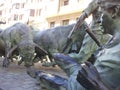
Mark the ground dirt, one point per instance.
(15, 77)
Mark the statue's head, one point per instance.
(111, 15)
(106, 22)
(110, 5)
(108, 1)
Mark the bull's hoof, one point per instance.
(48, 64)
(5, 63)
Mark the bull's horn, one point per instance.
(12, 49)
(43, 50)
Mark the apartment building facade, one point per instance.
(42, 13)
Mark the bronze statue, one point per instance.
(18, 39)
(52, 40)
(107, 62)
(69, 66)
(49, 81)
(88, 45)
(107, 59)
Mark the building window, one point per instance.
(38, 12)
(0, 12)
(63, 2)
(65, 22)
(66, 2)
(20, 17)
(22, 5)
(15, 17)
(17, 6)
(52, 24)
(32, 12)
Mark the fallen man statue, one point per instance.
(49, 81)
(69, 66)
(87, 76)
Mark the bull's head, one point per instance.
(27, 52)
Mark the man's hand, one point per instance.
(89, 78)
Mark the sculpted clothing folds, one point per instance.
(88, 45)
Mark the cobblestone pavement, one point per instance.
(15, 78)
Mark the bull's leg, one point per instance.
(6, 60)
(14, 57)
(8, 54)
(52, 61)
(49, 62)
(37, 59)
